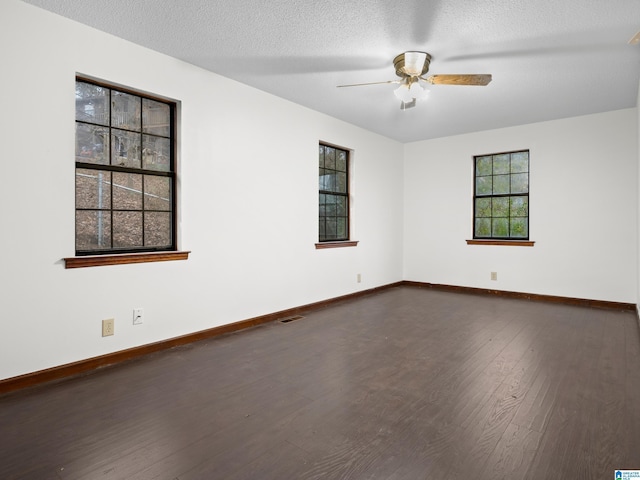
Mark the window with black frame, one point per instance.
(501, 196)
(333, 182)
(125, 171)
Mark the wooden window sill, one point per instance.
(512, 243)
(345, 243)
(123, 258)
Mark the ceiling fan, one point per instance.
(411, 67)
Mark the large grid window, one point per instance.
(125, 171)
(501, 197)
(334, 193)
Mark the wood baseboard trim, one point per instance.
(84, 366)
(526, 296)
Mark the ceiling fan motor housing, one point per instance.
(412, 64)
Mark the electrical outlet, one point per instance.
(138, 316)
(494, 275)
(359, 278)
(108, 327)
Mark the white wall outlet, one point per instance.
(138, 316)
(108, 327)
(494, 275)
(359, 277)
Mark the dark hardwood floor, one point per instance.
(408, 383)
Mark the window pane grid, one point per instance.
(124, 171)
(501, 196)
(333, 187)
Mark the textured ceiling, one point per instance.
(549, 58)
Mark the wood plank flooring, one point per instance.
(408, 383)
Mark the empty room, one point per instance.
(320, 240)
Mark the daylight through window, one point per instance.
(501, 198)
(125, 171)
(334, 194)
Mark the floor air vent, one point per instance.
(291, 319)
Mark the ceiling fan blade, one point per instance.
(481, 80)
(370, 83)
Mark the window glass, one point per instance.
(501, 197)
(125, 171)
(333, 183)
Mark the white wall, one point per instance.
(248, 201)
(583, 214)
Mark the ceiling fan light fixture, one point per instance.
(414, 63)
(417, 91)
(408, 93)
(403, 93)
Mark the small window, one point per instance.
(501, 197)
(333, 178)
(125, 171)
